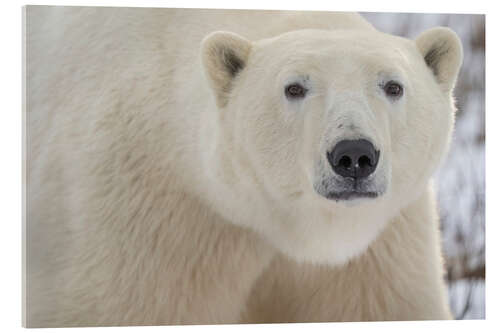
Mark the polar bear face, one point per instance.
(336, 131)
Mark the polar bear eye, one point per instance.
(393, 89)
(295, 91)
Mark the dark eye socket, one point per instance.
(393, 89)
(295, 91)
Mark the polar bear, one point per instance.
(220, 166)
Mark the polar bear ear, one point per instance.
(224, 55)
(442, 52)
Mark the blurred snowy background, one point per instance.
(460, 181)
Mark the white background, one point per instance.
(10, 152)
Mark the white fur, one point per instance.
(163, 190)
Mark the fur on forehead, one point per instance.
(298, 48)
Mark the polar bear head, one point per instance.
(324, 136)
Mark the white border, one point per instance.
(10, 141)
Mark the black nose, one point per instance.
(353, 158)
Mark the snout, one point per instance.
(355, 159)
